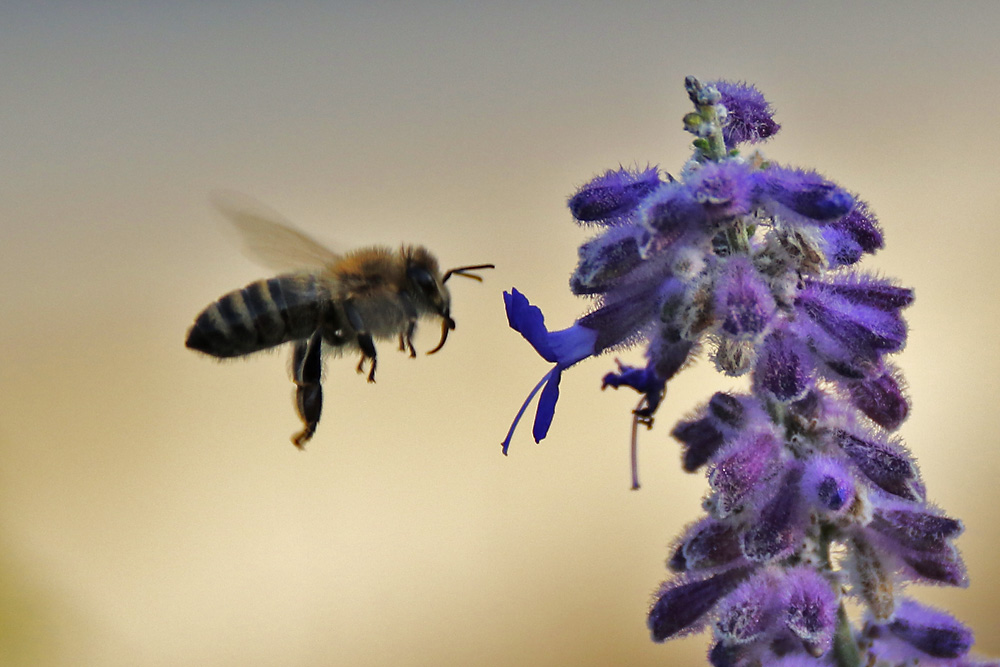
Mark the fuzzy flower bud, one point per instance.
(805, 195)
(749, 117)
(782, 371)
(933, 632)
(881, 399)
(681, 604)
(811, 608)
(743, 302)
(613, 195)
(828, 485)
(884, 464)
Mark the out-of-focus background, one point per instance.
(152, 509)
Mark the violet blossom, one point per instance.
(756, 262)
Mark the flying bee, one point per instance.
(337, 303)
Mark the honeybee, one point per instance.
(335, 303)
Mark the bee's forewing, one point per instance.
(269, 239)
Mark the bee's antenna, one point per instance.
(464, 271)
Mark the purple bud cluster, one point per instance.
(756, 262)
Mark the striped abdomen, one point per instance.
(261, 315)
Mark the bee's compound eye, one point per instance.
(423, 279)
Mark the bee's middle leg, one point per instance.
(364, 338)
(307, 372)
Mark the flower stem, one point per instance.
(845, 649)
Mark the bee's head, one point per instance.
(425, 278)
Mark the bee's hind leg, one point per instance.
(307, 372)
(364, 338)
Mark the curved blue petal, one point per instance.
(547, 405)
(528, 321)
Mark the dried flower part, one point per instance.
(734, 357)
(874, 582)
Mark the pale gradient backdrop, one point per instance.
(152, 509)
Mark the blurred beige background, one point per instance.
(152, 510)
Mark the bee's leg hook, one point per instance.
(307, 371)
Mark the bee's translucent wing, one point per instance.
(268, 238)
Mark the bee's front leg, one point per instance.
(406, 338)
(364, 339)
(307, 371)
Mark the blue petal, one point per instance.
(572, 345)
(547, 405)
(528, 321)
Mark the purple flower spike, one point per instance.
(613, 195)
(934, 632)
(781, 370)
(681, 604)
(743, 301)
(814, 504)
(749, 117)
(564, 348)
(886, 465)
(804, 193)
